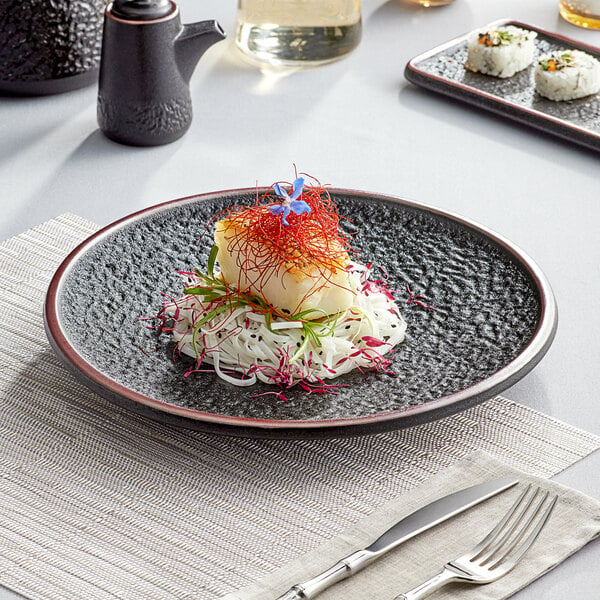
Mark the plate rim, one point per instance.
(484, 389)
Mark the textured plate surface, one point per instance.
(442, 70)
(495, 317)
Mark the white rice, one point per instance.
(575, 75)
(511, 52)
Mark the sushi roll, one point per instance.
(500, 52)
(567, 75)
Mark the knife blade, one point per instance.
(422, 519)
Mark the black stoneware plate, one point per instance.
(442, 70)
(495, 318)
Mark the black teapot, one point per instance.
(147, 60)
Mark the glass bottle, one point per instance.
(297, 32)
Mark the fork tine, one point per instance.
(493, 534)
(528, 541)
(499, 557)
(510, 529)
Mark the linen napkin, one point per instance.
(574, 522)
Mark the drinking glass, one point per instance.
(584, 13)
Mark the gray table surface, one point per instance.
(356, 124)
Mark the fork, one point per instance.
(499, 551)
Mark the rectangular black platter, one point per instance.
(442, 70)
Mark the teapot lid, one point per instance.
(141, 10)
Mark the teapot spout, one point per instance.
(193, 41)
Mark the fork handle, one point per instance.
(430, 586)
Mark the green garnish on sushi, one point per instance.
(495, 38)
(558, 62)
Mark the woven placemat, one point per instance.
(98, 503)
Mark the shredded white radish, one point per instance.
(244, 347)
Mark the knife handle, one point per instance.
(338, 572)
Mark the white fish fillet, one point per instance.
(291, 287)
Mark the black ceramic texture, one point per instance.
(144, 96)
(49, 46)
(144, 123)
(442, 70)
(488, 310)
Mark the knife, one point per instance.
(415, 523)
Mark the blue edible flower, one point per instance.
(289, 202)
